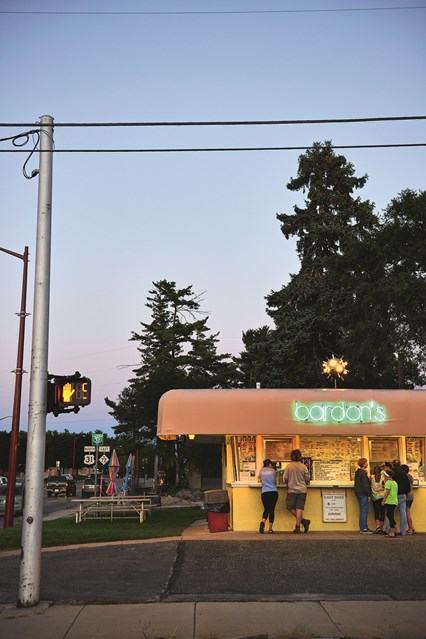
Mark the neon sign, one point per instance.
(339, 412)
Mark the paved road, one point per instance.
(229, 569)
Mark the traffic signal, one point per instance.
(67, 393)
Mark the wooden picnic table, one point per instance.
(98, 507)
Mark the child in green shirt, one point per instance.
(390, 500)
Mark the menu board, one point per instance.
(331, 471)
(415, 448)
(278, 449)
(247, 449)
(325, 448)
(383, 449)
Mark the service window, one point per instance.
(333, 459)
(278, 450)
(415, 453)
(382, 449)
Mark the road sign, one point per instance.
(97, 439)
(104, 459)
(89, 449)
(89, 459)
(104, 449)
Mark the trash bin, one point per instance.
(216, 503)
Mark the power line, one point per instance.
(222, 122)
(184, 13)
(222, 149)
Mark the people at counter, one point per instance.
(410, 498)
(362, 490)
(390, 500)
(269, 495)
(404, 488)
(377, 494)
(297, 478)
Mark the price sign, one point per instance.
(334, 506)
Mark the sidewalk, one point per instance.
(180, 616)
(215, 620)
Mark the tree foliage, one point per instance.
(360, 291)
(177, 350)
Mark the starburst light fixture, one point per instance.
(335, 367)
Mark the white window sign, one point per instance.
(334, 506)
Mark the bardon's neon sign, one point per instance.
(339, 412)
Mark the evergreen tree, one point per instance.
(177, 351)
(311, 312)
(360, 291)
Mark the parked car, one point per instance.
(19, 498)
(60, 485)
(3, 481)
(88, 487)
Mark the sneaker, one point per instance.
(367, 531)
(297, 530)
(262, 527)
(378, 531)
(306, 523)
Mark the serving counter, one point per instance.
(329, 509)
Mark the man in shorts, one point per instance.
(297, 478)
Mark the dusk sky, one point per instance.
(121, 221)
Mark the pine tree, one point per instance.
(176, 351)
(360, 291)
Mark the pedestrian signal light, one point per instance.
(67, 393)
(71, 392)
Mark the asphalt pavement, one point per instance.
(209, 585)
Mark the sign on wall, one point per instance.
(334, 506)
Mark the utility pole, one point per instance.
(29, 577)
(19, 371)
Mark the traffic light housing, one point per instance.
(67, 393)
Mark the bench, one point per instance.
(100, 508)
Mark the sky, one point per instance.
(121, 221)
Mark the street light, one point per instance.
(13, 449)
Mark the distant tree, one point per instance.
(177, 351)
(255, 360)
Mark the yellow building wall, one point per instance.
(246, 510)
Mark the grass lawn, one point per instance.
(169, 522)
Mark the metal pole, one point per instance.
(13, 448)
(73, 456)
(96, 470)
(29, 577)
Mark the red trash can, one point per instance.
(217, 506)
(217, 522)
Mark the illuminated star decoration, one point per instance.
(335, 367)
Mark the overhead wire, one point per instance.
(214, 12)
(222, 149)
(17, 139)
(220, 122)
